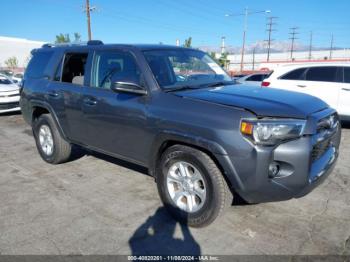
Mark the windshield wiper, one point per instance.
(187, 87)
(221, 83)
(180, 88)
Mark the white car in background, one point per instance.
(253, 79)
(327, 81)
(9, 95)
(17, 78)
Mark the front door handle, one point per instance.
(345, 89)
(90, 101)
(53, 93)
(302, 86)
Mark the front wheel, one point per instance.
(191, 186)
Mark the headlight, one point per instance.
(272, 131)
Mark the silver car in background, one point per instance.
(9, 95)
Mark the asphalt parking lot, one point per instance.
(99, 205)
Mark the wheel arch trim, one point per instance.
(216, 151)
(47, 106)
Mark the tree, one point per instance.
(62, 38)
(26, 61)
(12, 62)
(188, 42)
(65, 38)
(223, 61)
(77, 37)
(213, 55)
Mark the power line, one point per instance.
(293, 37)
(270, 29)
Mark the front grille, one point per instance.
(9, 106)
(326, 128)
(12, 95)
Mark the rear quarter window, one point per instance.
(297, 74)
(347, 75)
(256, 78)
(322, 74)
(38, 64)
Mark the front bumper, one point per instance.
(9, 102)
(300, 171)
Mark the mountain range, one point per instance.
(261, 47)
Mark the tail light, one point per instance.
(265, 84)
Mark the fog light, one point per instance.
(274, 169)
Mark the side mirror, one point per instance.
(128, 87)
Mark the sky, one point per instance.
(154, 21)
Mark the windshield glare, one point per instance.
(179, 68)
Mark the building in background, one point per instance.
(17, 47)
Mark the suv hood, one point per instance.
(8, 88)
(266, 102)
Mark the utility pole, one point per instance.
(246, 13)
(331, 49)
(253, 59)
(244, 34)
(88, 10)
(310, 46)
(270, 29)
(293, 37)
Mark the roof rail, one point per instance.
(91, 42)
(94, 42)
(46, 45)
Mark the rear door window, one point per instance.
(73, 70)
(297, 74)
(37, 64)
(322, 74)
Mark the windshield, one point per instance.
(184, 68)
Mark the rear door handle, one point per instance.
(302, 86)
(345, 89)
(90, 101)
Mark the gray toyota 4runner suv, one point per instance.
(176, 112)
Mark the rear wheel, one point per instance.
(191, 186)
(51, 145)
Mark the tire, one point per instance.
(60, 151)
(214, 198)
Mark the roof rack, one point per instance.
(90, 42)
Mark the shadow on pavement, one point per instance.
(156, 237)
(16, 113)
